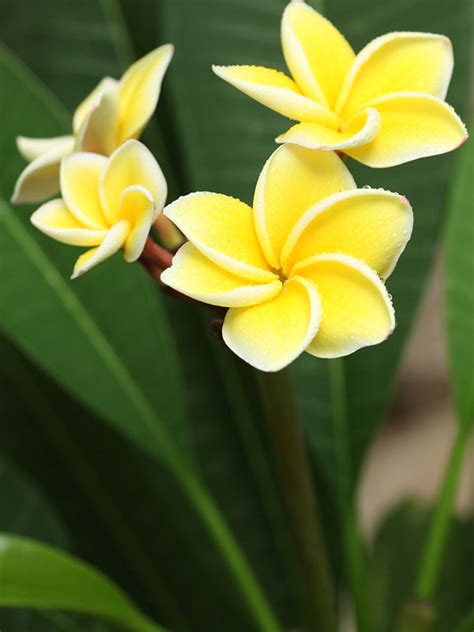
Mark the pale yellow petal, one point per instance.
(138, 209)
(32, 148)
(140, 90)
(397, 62)
(362, 129)
(269, 336)
(55, 220)
(277, 91)
(80, 173)
(412, 126)
(222, 228)
(194, 275)
(317, 55)
(40, 179)
(113, 241)
(369, 224)
(98, 131)
(291, 182)
(91, 101)
(130, 165)
(357, 310)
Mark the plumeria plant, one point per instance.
(203, 415)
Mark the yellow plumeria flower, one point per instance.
(302, 270)
(114, 112)
(107, 203)
(383, 107)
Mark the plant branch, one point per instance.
(294, 472)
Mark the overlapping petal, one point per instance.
(362, 129)
(112, 242)
(40, 179)
(277, 91)
(139, 91)
(397, 62)
(55, 220)
(138, 208)
(222, 228)
(80, 173)
(272, 334)
(194, 275)
(356, 308)
(317, 55)
(98, 130)
(412, 125)
(291, 182)
(130, 165)
(369, 224)
(108, 85)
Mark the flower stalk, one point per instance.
(296, 484)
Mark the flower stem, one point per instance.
(351, 537)
(294, 473)
(432, 558)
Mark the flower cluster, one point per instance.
(304, 268)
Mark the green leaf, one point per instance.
(394, 562)
(459, 273)
(34, 575)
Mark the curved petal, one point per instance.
(131, 164)
(269, 336)
(357, 310)
(194, 275)
(222, 228)
(398, 62)
(317, 55)
(98, 131)
(369, 224)
(32, 148)
(80, 173)
(139, 210)
(412, 126)
(277, 91)
(113, 241)
(107, 84)
(40, 179)
(140, 90)
(362, 129)
(55, 220)
(291, 182)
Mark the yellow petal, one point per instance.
(412, 126)
(397, 62)
(80, 173)
(32, 148)
(194, 275)
(140, 90)
(291, 182)
(317, 55)
(113, 241)
(361, 129)
(269, 336)
(369, 224)
(98, 131)
(138, 209)
(130, 165)
(275, 90)
(90, 102)
(40, 179)
(55, 220)
(222, 228)
(357, 311)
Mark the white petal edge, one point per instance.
(113, 241)
(71, 236)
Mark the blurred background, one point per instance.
(72, 467)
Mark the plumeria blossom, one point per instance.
(303, 269)
(107, 204)
(383, 107)
(114, 112)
